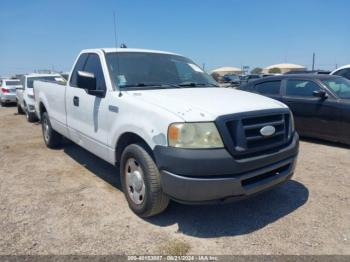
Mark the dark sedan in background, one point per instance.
(320, 103)
(232, 79)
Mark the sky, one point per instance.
(49, 34)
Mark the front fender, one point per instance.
(148, 133)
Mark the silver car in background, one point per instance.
(8, 90)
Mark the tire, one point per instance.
(19, 109)
(31, 117)
(136, 163)
(51, 138)
(3, 104)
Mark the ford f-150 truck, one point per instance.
(172, 131)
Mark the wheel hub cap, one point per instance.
(46, 130)
(134, 181)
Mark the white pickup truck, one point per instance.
(173, 132)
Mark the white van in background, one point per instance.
(343, 71)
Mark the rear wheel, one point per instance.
(141, 182)
(51, 137)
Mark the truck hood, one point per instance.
(205, 104)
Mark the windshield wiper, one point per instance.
(151, 85)
(167, 85)
(195, 84)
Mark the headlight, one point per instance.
(194, 135)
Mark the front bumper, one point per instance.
(214, 175)
(8, 98)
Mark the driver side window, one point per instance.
(93, 65)
(303, 88)
(90, 63)
(79, 66)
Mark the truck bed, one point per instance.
(54, 92)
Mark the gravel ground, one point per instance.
(67, 201)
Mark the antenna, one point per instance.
(115, 30)
(116, 49)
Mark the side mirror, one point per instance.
(86, 80)
(321, 94)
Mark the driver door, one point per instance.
(314, 116)
(86, 118)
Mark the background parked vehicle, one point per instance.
(174, 133)
(8, 90)
(229, 80)
(315, 72)
(343, 71)
(248, 78)
(233, 79)
(320, 103)
(25, 93)
(267, 75)
(65, 75)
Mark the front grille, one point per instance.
(242, 133)
(253, 125)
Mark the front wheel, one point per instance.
(19, 109)
(31, 117)
(51, 137)
(141, 182)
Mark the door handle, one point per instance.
(76, 101)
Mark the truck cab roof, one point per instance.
(39, 75)
(122, 50)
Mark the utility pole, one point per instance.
(313, 61)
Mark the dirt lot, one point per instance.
(68, 201)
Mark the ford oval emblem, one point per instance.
(267, 130)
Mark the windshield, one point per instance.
(31, 80)
(12, 83)
(340, 86)
(129, 70)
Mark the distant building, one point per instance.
(227, 70)
(284, 68)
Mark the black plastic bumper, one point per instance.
(207, 175)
